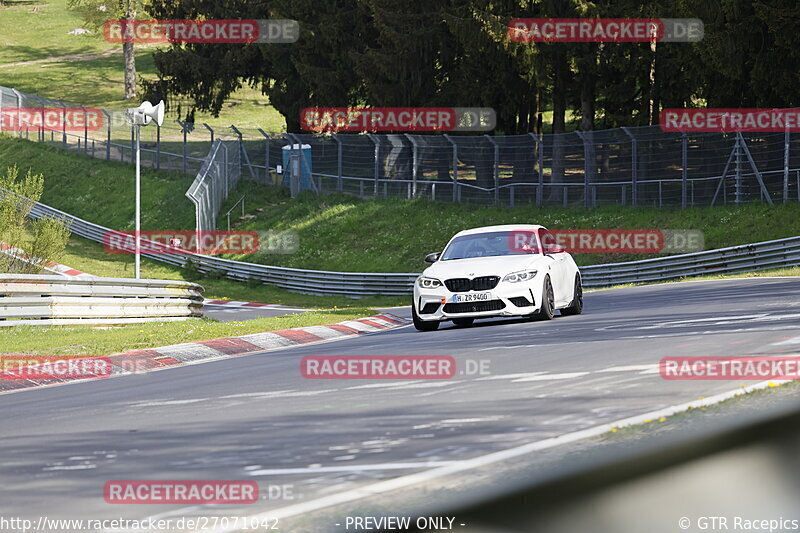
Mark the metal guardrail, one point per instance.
(27, 299)
(749, 257)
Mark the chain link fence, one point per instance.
(626, 166)
(220, 174)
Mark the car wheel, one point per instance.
(463, 322)
(420, 324)
(548, 301)
(576, 307)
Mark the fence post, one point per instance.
(41, 113)
(456, 186)
(266, 155)
(340, 181)
(786, 140)
(412, 192)
(496, 169)
(376, 141)
(684, 169)
(108, 134)
(184, 128)
(206, 126)
(64, 123)
(587, 197)
(19, 108)
(634, 167)
(1, 110)
(85, 131)
(540, 158)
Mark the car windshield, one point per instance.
(491, 244)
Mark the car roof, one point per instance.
(505, 227)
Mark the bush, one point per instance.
(43, 240)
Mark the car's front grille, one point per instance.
(520, 301)
(483, 283)
(474, 307)
(430, 308)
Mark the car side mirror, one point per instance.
(432, 258)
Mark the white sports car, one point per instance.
(497, 271)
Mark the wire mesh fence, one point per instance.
(625, 166)
(220, 174)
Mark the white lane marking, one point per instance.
(347, 468)
(379, 385)
(256, 394)
(642, 369)
(71, 467)
(514, 347)
(547, 377)
(793, 340)
(169, 402)
(627, 368)
(716, 321)
(481, 461)
(510, 376)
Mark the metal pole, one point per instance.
(1, 110)
(183, 127)
(786, 165)
(684, 170)
(266, 155)
(376, 142)
(540, 158)
(496, 170)
(206, 126)
(412, 191)
(634, 166)
(85, 131)
(138, 206)
(19, 109)
(63, 123)
(340, 182)
(158, 147)
(456, 188)
(108, 134)
(587, 199)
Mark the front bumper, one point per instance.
(507, 300)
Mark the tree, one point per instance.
(42, 240)
(95, 13)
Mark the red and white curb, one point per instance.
(140, 361)
(50, 266)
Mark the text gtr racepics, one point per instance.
(497, 271)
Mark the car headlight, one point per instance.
(524, 275)
(428, 283)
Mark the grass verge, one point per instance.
(87, 340)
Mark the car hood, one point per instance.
(485, 266)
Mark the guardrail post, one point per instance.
(108, 134)
(266, 155)
(634, 167)
(496, 169)
(786, 140)
(340, 180)
(684, 169)
(376, 141)
(539, 145)
(456, 186)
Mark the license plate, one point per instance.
(474, 297)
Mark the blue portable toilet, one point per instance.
(297, 168)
